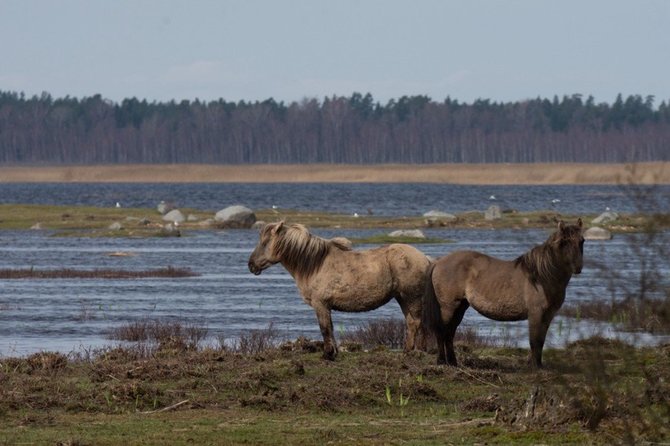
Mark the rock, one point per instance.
(164, 207)
(116, 226)
(171, 229)
(436, 217)
(414, 233)
(206, 223)
(175, 216)
(596, 233)
(192, 217)
(605, 217)
(36, 227)
(493, 213)
(236, 217)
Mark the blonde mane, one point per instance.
(303, 253)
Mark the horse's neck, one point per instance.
(555, 288)
(306, 264)
(554, 279)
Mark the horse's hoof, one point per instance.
(329, 355)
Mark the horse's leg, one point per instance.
(441, 339)
(326, 325)
(450, 330)
(414, 337)
(538, 325)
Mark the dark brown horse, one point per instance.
(531, 287)
(331, 276)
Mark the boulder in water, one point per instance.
(596, 233)
(493, 213)
(175, 216)
(413, 233)
(236, 217)
(434, 218)
(116, 226)
(605, 217)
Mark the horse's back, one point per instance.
(408, 265)
(363, 280)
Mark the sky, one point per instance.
(290, 50)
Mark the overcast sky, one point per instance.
(291, 49)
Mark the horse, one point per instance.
(332, 276)
(530, 287)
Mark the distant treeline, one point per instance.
(356, 129)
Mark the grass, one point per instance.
(222, 396)
(145, 222)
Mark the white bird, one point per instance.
(355, 214)
(118, 205)
(556, 200)
(492, 197)
(274, 206)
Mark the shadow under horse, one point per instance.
(530, 287)
(332, 276)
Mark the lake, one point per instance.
(68, 315)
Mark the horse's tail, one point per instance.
(431, 318)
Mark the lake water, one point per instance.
(67, 315)
(390, 199)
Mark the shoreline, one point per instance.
(468, 174)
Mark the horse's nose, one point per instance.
(254, 268)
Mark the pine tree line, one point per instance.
(338, 129)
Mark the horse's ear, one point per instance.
(579, 222)
(561, 225)
(278, 227)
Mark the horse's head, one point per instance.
(569, 242)
(265, 255)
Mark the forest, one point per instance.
(338, 129)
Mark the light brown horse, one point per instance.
(531, 287)
(331, 276)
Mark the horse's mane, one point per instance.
(541, 262)
(538, 263)
(303, 253)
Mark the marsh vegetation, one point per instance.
(260, 388)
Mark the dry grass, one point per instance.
(594, 391)
(542, 173)
(632, 314)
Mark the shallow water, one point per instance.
(72, 314)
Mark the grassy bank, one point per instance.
(595, 391)
(144, 222)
